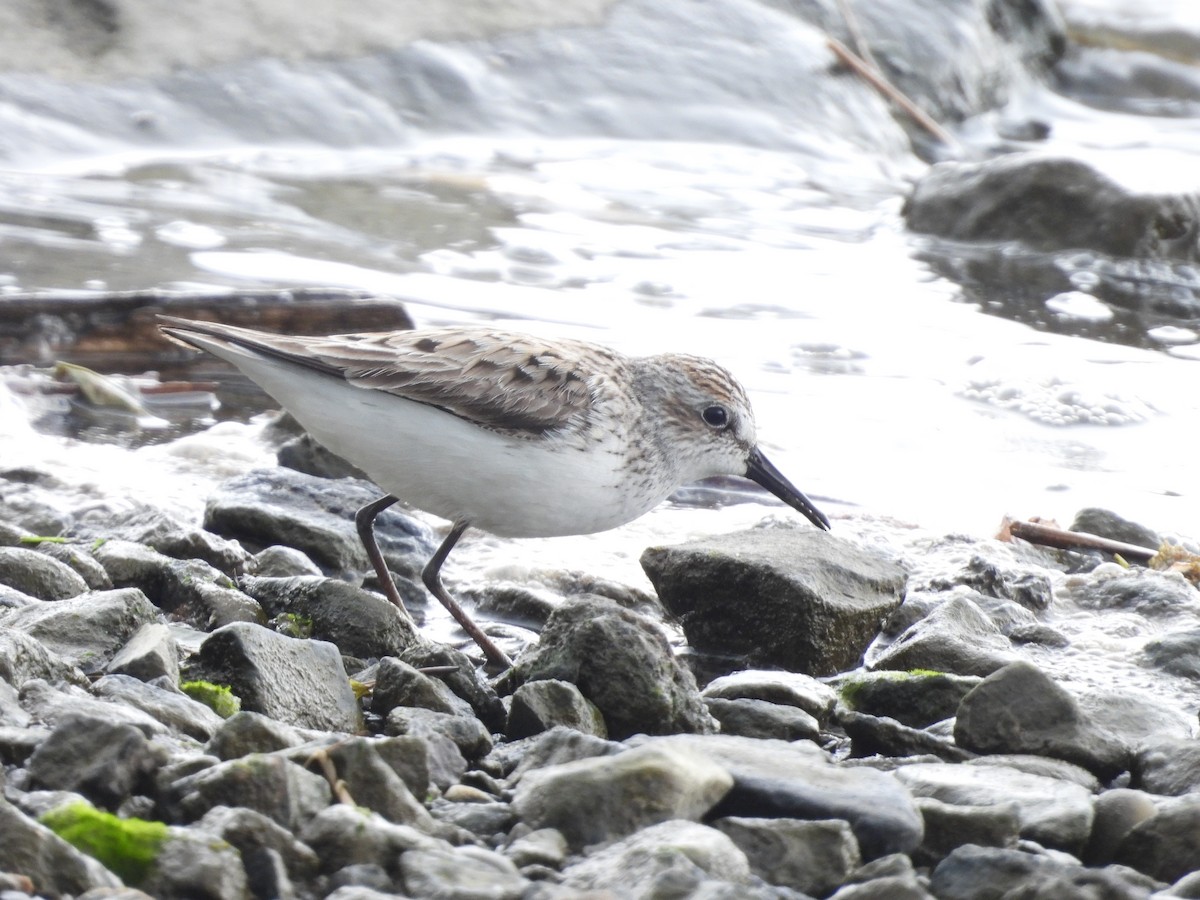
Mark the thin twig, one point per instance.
(860, 44)
(875, 78)
(1049, 536)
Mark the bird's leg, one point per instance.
(364, 520)
(431, 575)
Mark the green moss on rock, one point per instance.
(126, 847)
(217, 697)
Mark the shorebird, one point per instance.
(517, 435)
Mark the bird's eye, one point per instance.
(716, 416)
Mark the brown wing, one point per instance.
(498, 379)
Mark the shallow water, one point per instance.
(878, 390)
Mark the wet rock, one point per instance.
(80, 561)
(811, 857)
(543, 847)
(622, 663)
(635, 865)
(398, 684)
(314, 515)
(277, 561)
(150, 653)
(1021, 710)
(39, 575)
(483, 819)
(1176, 652)
(1050, 204)
(880, 735)
(51, 705)
(1024, 585)
(304, 454)
(342, 835)
(175, 710)
(465, 680)
(54, 866)
(538, 706)
(796, 780)
(962, 874)
(86, 630)
(408, 757)
(1170, 767)
(887, 878)
(192, 590)
(164, 533)
(955, 637)
(254, 836)
(248, 732)
(1053, 813)
(194, 864)
(24, 658)
(1107, 523)
(601, 799)
(917, 699)
(104, 761)
(298, 682)
(1148, 592)
(375, 784)
(760, 719)
(951, 825)
(1164, 846)
(558, 745)
(467, 732)
(278, 789)
(797, 600)
(1044, 766)
(461, 872)
(787, 688)
(1116, 813)
(359, 622)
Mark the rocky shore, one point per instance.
(226, 710)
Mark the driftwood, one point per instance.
(117, 331)
(1051, 536)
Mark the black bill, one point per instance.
(761, 470)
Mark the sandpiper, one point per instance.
(517, 435)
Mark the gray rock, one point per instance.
(196, 865)
(917, 699)
(86, 630)
(51, 705)
(811, 857)
(54, 866)
(104, 761)
(797, 781)
(398, 684)
(955, 637)
(971, 872)
(281, 790)
(483, 819)
(465, 680)
(278, 561)
(314, 515)
(362, 881)
(39, 575)
(342, 836)
(192, 590)
(253, 834)
(1106, 523)
(622, 663)
(1153, 594)
(1169, 767)
(1053, 813)
(151, 653)
(177, 711)
(75, 556)
(24, 658)
(558, 745)
(1164, 846)
(1019, 709)
(164, 533)
(1116, 813)
(248, 732)
(1176, 652)
(542, 847)
(19, 740)
(642, 862)
(409, 757)
(473, 872)
(1041, 765)
(1024, 585)
(887, 887)
(950, 825)
(359, 622)
(761, 719)
(538, 706)
(798, 600)
(1134, 717)
(787, 688)
(298, 682)
(375, 784)
(467, 732)
(601, 799)
(883, 736)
